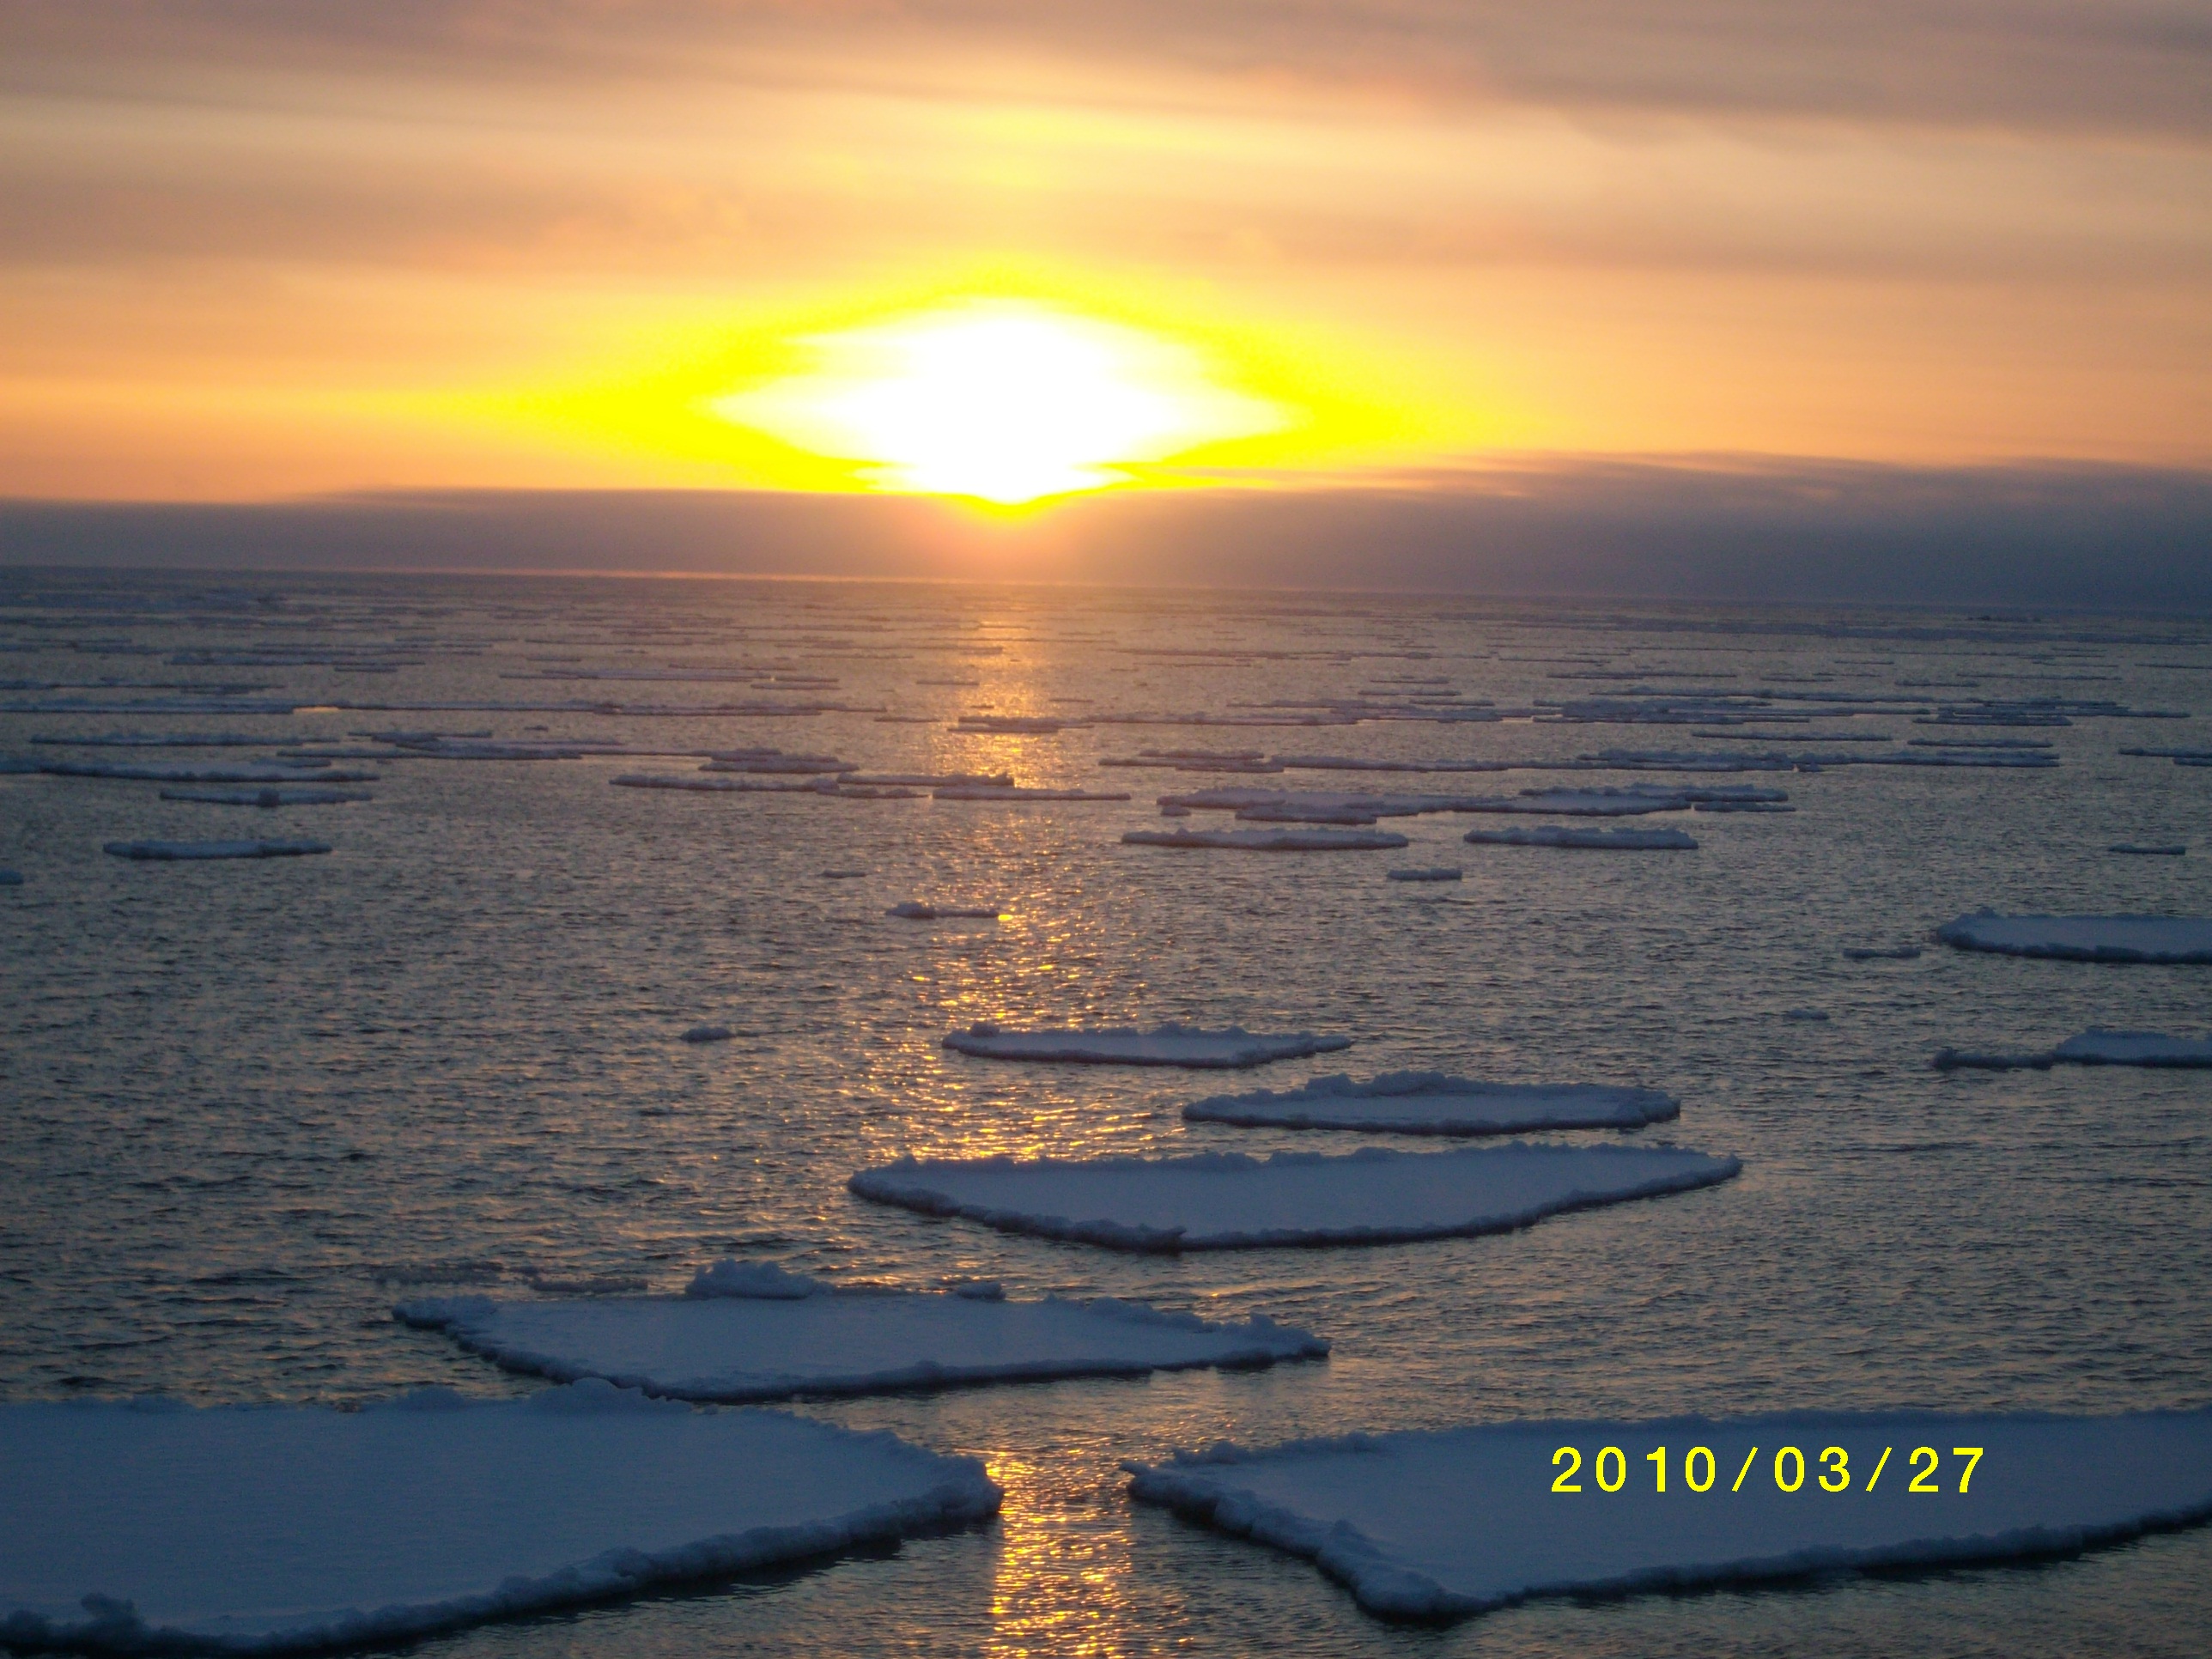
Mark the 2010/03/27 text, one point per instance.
(1699, 1471)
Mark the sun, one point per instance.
(1005, 401)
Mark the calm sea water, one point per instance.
(249, 1105)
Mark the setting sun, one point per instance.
(1005, 401)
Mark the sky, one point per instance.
(253, 252)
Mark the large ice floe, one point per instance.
(183, 850)
(1455, 1522)
(1163, 1045)
(1270, 841)
(271, 1529)
(1433, 1104)
(2094, 1046)
(1226, 1200)
(1596, 840)
(749, 1331)
(2084, 939)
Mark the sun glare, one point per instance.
(1005, 401)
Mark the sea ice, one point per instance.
(11, 877)
(1270, 841)
(1585, 803)
(2099, 1047)
(913, 911)
(1165, 1045)
(1011, 792)
(1439, 872)
(270, 795)
(273, 1529)
(1432, 1104)
(1454, 1521)
(708, 1033)
(1881, 953)
(189, 772)
(1225, 1201)
(2153, 849)
(703, 784)
(2084, 939)
(729, 1339)
(1556, 834)
(214, 849)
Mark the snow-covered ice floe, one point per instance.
(1455, 1522)
(1226, 1200)
(739, 1335)
(274, 1529)
(1165, 1045)
(1599, 840)
(1432, 1104)
(1438, 872)
(1270, 841)
(2084, 939)
(214, 849)
(270, 795)
(2094, 1046)
(913, 910)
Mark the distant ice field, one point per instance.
(252, 1106)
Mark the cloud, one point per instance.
(2054, 536)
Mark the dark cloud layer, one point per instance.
(2104, 538)
(2120, 65)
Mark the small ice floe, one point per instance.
(1881, 952)
(1270, 841)
(930, 779)
(2094, 1046)
(1432, 1104)
(2084, 939)
(1225, 1201)
(702, 784)
(287, 1529)
(11, 877)
(735, 1336)
(708, 1033)
(844, 875)
(1165, 1045)
(1436, 1524)
(913, 910)
(774, 760)
(214, 849)
(2170, 849)
(274, 794)
(1599, 840)
(1026, 725)
(162, 740)
(2179, 757)
(1438, 872)
(1173, 812)
(1011, 792)
(1587, 803)
(189, 772)
(1816, 1015)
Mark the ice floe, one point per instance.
(2094, 1046)
(708, 1033)
(1225, 1201)
(1437, 873)
(774, 760)
(1557, 834)
(1455, 1522)
(913, 910)
(1270, 841)
(275, 1529)
(1629, 802)
(1433, 1104)
(2170, 849)
(214, 849)
(1011, 792)
(1163, 1045)
(187, 772)
(1881, 952)
(11, 877)
(2084, 939)
(730, 1340)
(274, 794)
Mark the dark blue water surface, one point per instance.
(248, 1105)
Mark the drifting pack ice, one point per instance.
(1432, 1104)
(1270, 841)
(1225, 1201)
(275, 1529)
(2084, 939)
(1165, 1045)
(751, 1331)
(1585, 839)
(1430, 1525)
(185, 850)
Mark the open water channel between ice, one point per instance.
(250, 1104)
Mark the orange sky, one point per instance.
(256, 249)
